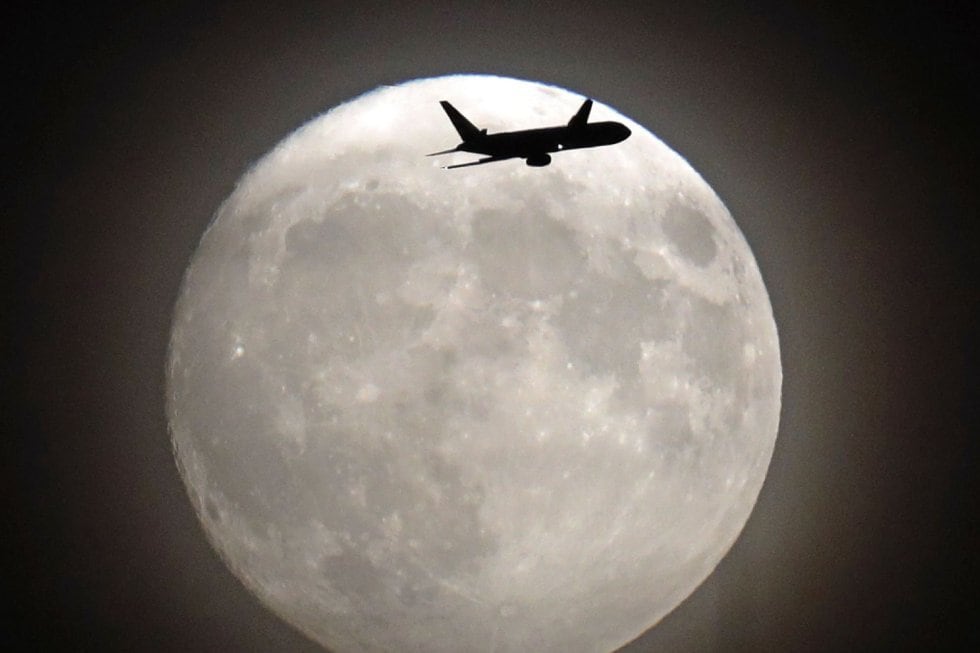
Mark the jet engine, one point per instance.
(538, 160)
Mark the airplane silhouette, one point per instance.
(532, 145)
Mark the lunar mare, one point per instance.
(499, 409)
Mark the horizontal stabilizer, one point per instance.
(489, 159)
(449, 151)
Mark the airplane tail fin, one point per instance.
(467, 130)
(582, 115)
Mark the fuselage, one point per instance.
(534, 142)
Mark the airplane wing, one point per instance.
(489, 159)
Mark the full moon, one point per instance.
(499, 408)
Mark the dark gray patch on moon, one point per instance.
(691, 233)
(715, 342)
(338, 267)
(525, 255)
(606, 317)
(355, 577)
(248, 454)
(670, 431)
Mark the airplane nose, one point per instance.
(624, 132)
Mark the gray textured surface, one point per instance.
(509, 409)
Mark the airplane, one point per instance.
(532, 145)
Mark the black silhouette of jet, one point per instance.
(532, 145)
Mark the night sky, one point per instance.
(843, 143)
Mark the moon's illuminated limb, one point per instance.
(500, 409)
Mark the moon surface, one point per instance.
(492, 409)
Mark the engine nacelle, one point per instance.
(538, 160)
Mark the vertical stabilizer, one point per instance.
(582, 115)
(467, 130)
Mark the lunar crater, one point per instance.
(691, 233)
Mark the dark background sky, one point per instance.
(843, 142)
